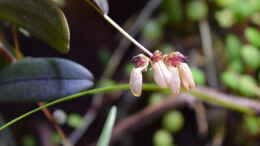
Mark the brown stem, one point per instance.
(5, 52)
(49, 116)
(149, 114)
(18, 52)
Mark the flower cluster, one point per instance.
(169, 71)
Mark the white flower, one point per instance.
(136, 81)
(161, 74)
(175, 82)
(187, 80)
(141, 63)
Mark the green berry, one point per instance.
(152, 30)
(197, 10)
(173, 121)
(225, 18)
(198, 76)
(236, 66)
(233, 45)
(156, 98)
(247, 86)
(75, 120)
(230, 79)
(162, 138)
(253, 36)
(251, 56)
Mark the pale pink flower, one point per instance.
(175, 82)
(141, 63)
(186, 76)
(161, 74)
(136, 81)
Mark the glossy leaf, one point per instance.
(41, 18)
(42, 79)
(107, 130)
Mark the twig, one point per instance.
(149, 114)
(111, 67)
(49, 116)
(208, 52)
(206, 94)
(201, 118)
(5, 52)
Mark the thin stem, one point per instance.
(49, 116)
(241, 104)
(113, 23)
(121, 30)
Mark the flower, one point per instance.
(141, 63)
(176, 59)
(161, 74)
(175, 82)
(186, 76)
(169, 71)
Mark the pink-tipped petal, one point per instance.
(136, 81)
(175, 82)
(186, 76)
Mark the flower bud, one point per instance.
(186, 76)
(136, 81)
(141, 63)
(161, 74)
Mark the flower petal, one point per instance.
(175, 82)
(161, 74)
(186, 76)
(136, 81)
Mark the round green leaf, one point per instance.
(43, 79)
(42, 18)
(253, 36)
(251, 56)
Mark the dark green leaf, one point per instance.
(42, 79)
(41, 18)
(107, 130)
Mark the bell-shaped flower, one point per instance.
(175, 82)
(136, 81)
(141, 63)
(161, 74)
(187, 80)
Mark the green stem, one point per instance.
(146, 87)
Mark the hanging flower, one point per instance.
(169, 71)
(141, 63)
(175, 82)
(161, 74)
(186, 76)
(177, 60)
